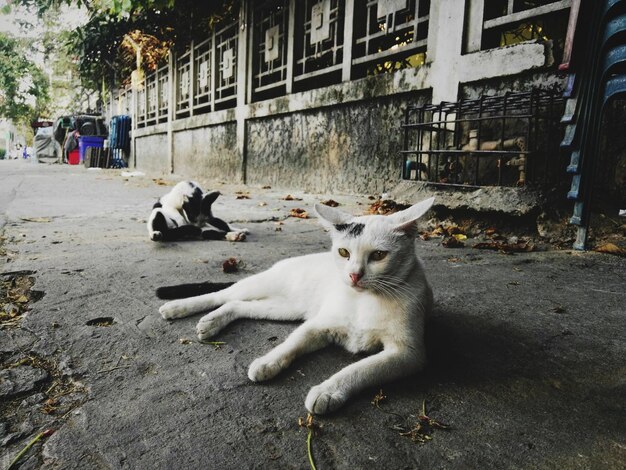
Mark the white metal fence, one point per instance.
(298, 45)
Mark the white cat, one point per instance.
(369, 294)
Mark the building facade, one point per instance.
(311, 93)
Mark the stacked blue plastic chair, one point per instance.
(119, 140)
(597, 76)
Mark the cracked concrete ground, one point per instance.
(527, 352)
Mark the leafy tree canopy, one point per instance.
(103, 47)
(23, 85)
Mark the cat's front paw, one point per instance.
(156, 236)
(235, 236)
(261, 369)
(323, 399)
(209, 326)
(172, 310)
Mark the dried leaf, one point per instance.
(289, 197)
(330, 203)
(452, 242)
(299, 213)
(611, 249)
(460, 236)
(386, 206)
(231, 265)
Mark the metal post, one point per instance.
(348, 27)
(242, 74)
(171, 108)
(290, 37)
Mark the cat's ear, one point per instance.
(329, 216)
(406, 220)
(207, 200)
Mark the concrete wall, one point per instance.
(151, 153)
(208, 152)
(345, 136)
(350, 148)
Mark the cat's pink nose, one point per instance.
(355, 277)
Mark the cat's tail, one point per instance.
(190, 290)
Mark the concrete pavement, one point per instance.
(527, 352)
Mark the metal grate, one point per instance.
(507, 140)
(183, 84)
(507, 22)
(163, 93)
(388, 29)
(269, 47)
(151, 99)
(319, 38)
(226, 45)
(203, 67)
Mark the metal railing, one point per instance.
(297, 45)
(507, 140)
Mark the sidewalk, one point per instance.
(527, 351)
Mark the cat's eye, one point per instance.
(378, 255)
(344, 253)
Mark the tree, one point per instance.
(101, 53)
(23, 85)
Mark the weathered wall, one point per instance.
(151, 154)
(208, 152)
(352, 148)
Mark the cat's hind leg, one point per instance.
(264, 309)
(255, 287)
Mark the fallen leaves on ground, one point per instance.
(330, 203)
(418, 428)
(453, 242)
(610, 249)
(386, 206)
(161, 182)
(242, 195)
(231, 265)
(289, 197)
(299, 213)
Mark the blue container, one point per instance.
(119, 137)
(86, 141)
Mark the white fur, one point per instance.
(383, 313)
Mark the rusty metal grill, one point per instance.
(226, 45)
(163, 93)
(390, 29)
(507, 140)
(269, 47)
(183, 84)
(203, 68)
(319, 38)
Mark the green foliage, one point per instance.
(102, 55)
(23, 85)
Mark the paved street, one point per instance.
(527, 352)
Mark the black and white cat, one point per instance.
(185, 212)
(368, 294)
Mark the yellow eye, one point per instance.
(378, 255)
(344, 253)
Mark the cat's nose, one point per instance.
(355, 277)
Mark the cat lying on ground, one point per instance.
(185, 212)
(368, 294)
